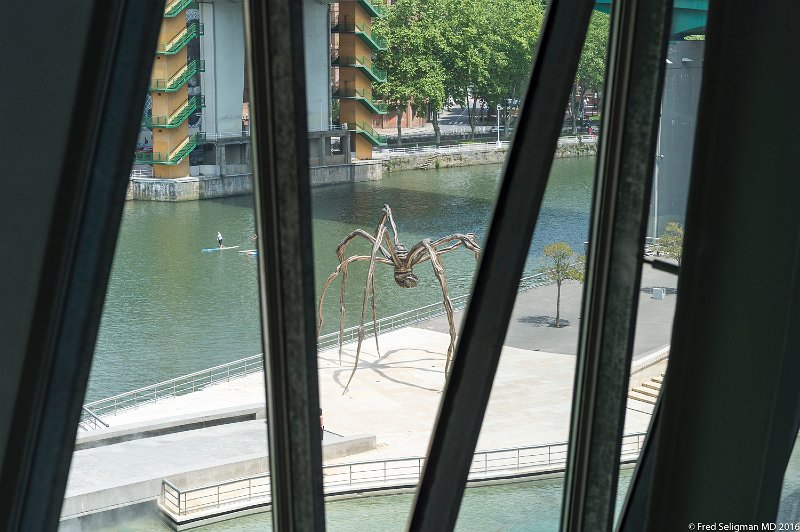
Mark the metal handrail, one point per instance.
(177, 386)
(252, 364)
(175, 6)
(179, 40)
(180, 77)
(431, 150)
(90, 423)
(379, 43)
(346, 92)
(225, 135)
(409, 317)
(359, 62)
(181, 112)
(472, 146)
(382, 474)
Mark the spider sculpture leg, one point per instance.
(468, 240)
(438, 270)
(387, 254)
(340, 269)
(370, 282)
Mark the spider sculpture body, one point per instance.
(391, 252)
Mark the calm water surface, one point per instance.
(532, 506)
(172, 310)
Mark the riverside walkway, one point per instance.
(394, 397)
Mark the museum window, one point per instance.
(346, 257)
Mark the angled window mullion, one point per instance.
(639, 32)
(115, 69)
(274, 30)
(507, 242)
(733, 366)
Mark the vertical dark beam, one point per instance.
(274, 31)
(115, 72)
(729, 405)
(637, 51)
(508, 238)
(633, 512)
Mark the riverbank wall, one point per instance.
(202, 186)
(427, 160)
(205, 183)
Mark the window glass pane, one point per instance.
(394, 393)
(659, 290)
(175, 400)
(525, 431)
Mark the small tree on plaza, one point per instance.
(562, 264)
(670, 244)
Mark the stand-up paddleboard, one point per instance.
(210, 250)
(250, 252)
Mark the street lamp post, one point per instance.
(498, 124)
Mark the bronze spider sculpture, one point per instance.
(403, 260)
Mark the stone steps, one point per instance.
(647, 392)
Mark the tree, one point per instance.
(563, 264)
(592, 65)
(412, 59)
(516, 25)
(469, 40)
(670, 244)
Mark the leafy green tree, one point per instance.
(562, 264)
(412, 60)
(592, 65)
(469, 52)
(516, 24)
(670, 244)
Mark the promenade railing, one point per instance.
(409, 317)
(380, 474)
(472, 147)
(142, 173)
(171, 388)
(239, 368)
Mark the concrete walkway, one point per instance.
(394, 396)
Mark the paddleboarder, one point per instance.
(219, 239)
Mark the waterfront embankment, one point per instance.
(393, 399)
(427, 158)
(207, 182)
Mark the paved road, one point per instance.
(531, 321)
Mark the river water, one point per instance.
(172, 310)
(529, 506)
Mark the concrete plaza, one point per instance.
(394, 396)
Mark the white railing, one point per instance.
(471, 147)
(380, 474)
(332, 127)
(142, 173)
(579, 139)
(410, 317)
(432, 150)
(244, 366)
(226, 135)
(171, 388)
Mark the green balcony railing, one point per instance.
(366, 130)
(183, 37)
(371, 40)
(365, 34)
(172, 158)
(186, 108)
(174, 7)
(361, 63)
(374, 10)
(362, 97)
(179, 78)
